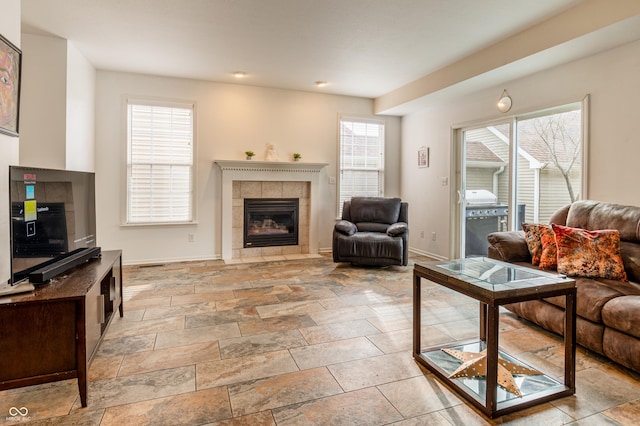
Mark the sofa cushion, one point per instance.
(374, 209)
(630, 253)
(372, 227)
(583, 253)
(588, 334)
(591, 296)
(510, 246)
(594, 215)
(559, 217)
(623, 314)
(345, 227)
(622, 348)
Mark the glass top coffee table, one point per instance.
(488, 378)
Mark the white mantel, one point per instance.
(262, 171)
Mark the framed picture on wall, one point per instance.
(10, 67)
(423, 157)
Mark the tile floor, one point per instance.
(299, 342)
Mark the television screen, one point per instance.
(52, 217)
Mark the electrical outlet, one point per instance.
(332, 180)
(445, 181)
(433, 236)
(192, 238)
(421, 234)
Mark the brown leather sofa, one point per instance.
(373, 231)
(608, 311)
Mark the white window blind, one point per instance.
(159, 163)
(361, 159)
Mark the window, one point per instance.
(361, 159)
(160, 149)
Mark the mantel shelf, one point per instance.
(265, 166)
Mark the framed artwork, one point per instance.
(10, 67)
(423, 157)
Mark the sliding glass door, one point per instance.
(518, 170)
(484, 190)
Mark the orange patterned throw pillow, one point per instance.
(532, 237)
(592, 254)
(549, 256)
(541, 242)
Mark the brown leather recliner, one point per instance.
(373, 231)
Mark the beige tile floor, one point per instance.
(300, 342)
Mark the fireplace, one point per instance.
(242, 179)
(270, 222)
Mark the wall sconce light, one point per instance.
(239, 74)
(321, 83)
(504, 103)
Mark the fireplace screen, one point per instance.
(270, 222)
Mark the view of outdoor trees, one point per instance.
(561, 134)
(545, 158)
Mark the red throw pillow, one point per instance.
(591, 254)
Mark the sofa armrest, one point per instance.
(345, 227)
(509, 246)
(397, 229)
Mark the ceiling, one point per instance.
(365, 48)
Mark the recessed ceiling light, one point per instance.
(321, 83)
(239, 74)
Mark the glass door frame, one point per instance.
(457, 239)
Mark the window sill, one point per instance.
(163, 224)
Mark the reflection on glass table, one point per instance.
(489, 271)
(476, 385)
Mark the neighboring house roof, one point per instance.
(530, 141)
(479, 152)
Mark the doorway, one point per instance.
(517, 170)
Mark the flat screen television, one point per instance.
(53, 221)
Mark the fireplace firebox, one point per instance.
(270, 222)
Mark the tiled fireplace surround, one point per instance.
(251, 189)
(262, 179)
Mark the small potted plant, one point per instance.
(297, 156)
(250, 154)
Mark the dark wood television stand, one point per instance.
(53, 332)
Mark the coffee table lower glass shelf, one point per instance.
(493, 284)
(530, 386)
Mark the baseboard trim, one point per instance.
(426, 253)
(167, 261)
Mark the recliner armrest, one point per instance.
(511, 246)
(345, 227)
(397, 229)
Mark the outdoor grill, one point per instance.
(484, 215)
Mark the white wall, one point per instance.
(58, 108)
(230, 119)
(43, 113)
(611, 78)
(80, 116)
(9, 146)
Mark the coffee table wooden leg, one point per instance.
(417, 304)
(483, 322)
(492, 357)
(570, 341)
